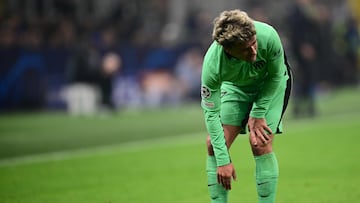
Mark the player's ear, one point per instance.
(227, 50)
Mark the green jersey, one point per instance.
(258, 80)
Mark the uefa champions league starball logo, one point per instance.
(205, 92)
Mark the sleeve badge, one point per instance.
(205, 92)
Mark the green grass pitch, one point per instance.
(158, 156)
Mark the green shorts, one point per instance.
(236, 106)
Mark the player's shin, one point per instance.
(216, 191)
(267, 173)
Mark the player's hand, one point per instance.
(225, 174)
(259, 131)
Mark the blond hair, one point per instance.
(232, 27)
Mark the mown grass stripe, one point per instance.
(185, 139)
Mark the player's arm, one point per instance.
(259, 130)
(276, 71)
(210, 102)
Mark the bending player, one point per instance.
(245, 86)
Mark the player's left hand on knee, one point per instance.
(259, 131)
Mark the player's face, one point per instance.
(244, 51)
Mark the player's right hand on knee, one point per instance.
(225, 174)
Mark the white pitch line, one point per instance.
(177, 140)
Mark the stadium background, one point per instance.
(48, 45)
(148, 145)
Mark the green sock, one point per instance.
(267, 173)
(216, 191)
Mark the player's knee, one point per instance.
(259, 150)
(209, 146)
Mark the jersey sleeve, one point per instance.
(210, 102)
(276, 71)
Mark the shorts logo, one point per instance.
(205, 92)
